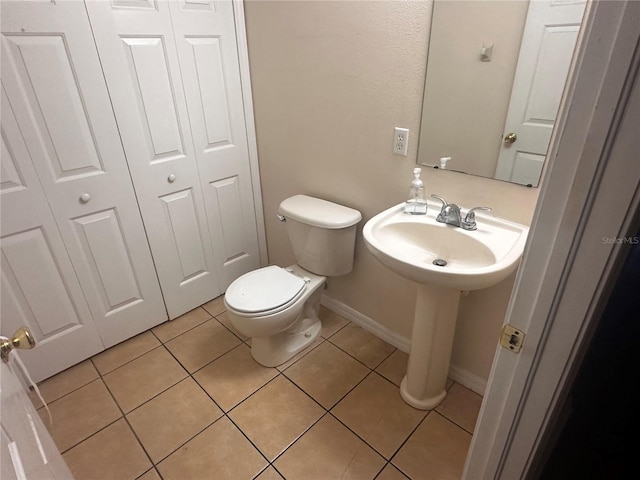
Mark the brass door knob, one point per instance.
(510, 138)
(21, 339)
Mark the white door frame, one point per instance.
(590, 193)
(247, 98)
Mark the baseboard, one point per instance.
(467, 379)
(371, 326)
(457, 374)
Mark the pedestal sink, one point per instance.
(444, 260)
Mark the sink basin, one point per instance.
(443, 260)
(409, 245)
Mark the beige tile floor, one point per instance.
(186, 400)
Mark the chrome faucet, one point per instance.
(451, 215)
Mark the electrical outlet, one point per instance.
(400, 141)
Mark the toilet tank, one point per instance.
(322, 234)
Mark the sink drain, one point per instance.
(440, 262)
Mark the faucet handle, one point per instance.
(470, 217)
(444, 202)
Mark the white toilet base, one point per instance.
(276, 349)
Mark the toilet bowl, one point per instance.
(278, 307)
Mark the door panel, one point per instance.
(105, 251)
(548, 42)
(180, 212)
(39, 287)
(138, 53)
(150, 77)
(206, 42)
(53, 78)
(55, 103)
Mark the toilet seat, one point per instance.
(267, 289)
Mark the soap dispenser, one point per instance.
(416, 204)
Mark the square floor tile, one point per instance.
(233, 377)
(376, 412)
(327, 374)
(79, 414)
(202, 344)
(216, 306)
(124, 352)
(223, 318)
(437, 449)
(171, 329)
(275, 416)
(113, 453)
(331, 321)
(172, 418)
(362, 345)
(329, 451)
(64, 382)
(461, 406)
(394, 368)
(144, 378)
(220, 452)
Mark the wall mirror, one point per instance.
(496, 72)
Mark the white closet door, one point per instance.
(53, 79)
(137, 50)
(206, 42)
(39, 287)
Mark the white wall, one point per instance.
(330, 80)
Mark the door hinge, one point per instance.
(512, 338)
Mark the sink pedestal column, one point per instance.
(434, 326)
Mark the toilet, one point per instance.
(278, 307)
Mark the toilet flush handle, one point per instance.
(281, 218)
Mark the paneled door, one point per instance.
(136, 46)
(206, 43)
(56, 89)
(548, 42)
(39, 286)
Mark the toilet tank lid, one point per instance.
(318, 213)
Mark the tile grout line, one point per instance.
(124, 416)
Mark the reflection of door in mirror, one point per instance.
(467, 94)
(548, 42)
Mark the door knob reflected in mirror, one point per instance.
(510, 138)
